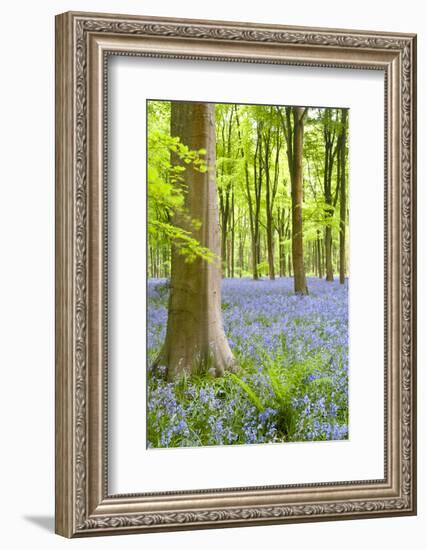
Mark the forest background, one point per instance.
(256, 195)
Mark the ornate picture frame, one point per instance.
(84, 42)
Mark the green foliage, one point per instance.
(287, 379)
(237, 408)
(182, 240)
(251, 394)
(166, 194)
(242, 135)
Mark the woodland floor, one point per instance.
(293, 379)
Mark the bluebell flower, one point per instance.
(265, 325)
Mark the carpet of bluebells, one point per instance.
(292, 384)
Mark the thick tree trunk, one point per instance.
(300, 282)
(294, 134)
(195, 338)
(343, 205)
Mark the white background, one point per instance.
(133, 468)
(27, 276)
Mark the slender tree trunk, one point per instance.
(224, 193)
(224, 245)
(167, 260)
(270, 249)
(319, 255)
(224, 206)
(314, 257)
(270, 252)
(328, 253)
(195, 338)
(289, 254)
(300, 282)
(281, 236)
(253, 205)
(282, 257)
(329, 133)
(270, 194)
(343, 190)
(233, 230)
(257, 188)
(228, 257)
(322, 249)
(334, 257)
(241, 252)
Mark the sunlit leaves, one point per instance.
(166, 194)
(182, 240)
(238, 128)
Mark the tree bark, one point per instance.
(233, 232)
(281, 235)
(224, 193)
(253, 205)
(300, 282)
(270, 193)
(319, 255)
(328, 254)
(343, 188)
(241, 248)
(329, 134)
(256, 259)
(195, 339)
(294, 134)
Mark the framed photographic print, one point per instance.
(235, 274)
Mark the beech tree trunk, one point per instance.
(329, 134)
(319, 256)
(256, 257)
(343, 205)
(195, 339)
(269, 220)
(254, 204)
(225, 206)
(280, 226)
(271, 185)
(328, 254)
(233, 233)
(294, 134)
(300, 282)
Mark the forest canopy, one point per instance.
(255, 145)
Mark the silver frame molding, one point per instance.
(83, 43)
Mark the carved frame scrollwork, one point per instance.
(83, 43)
